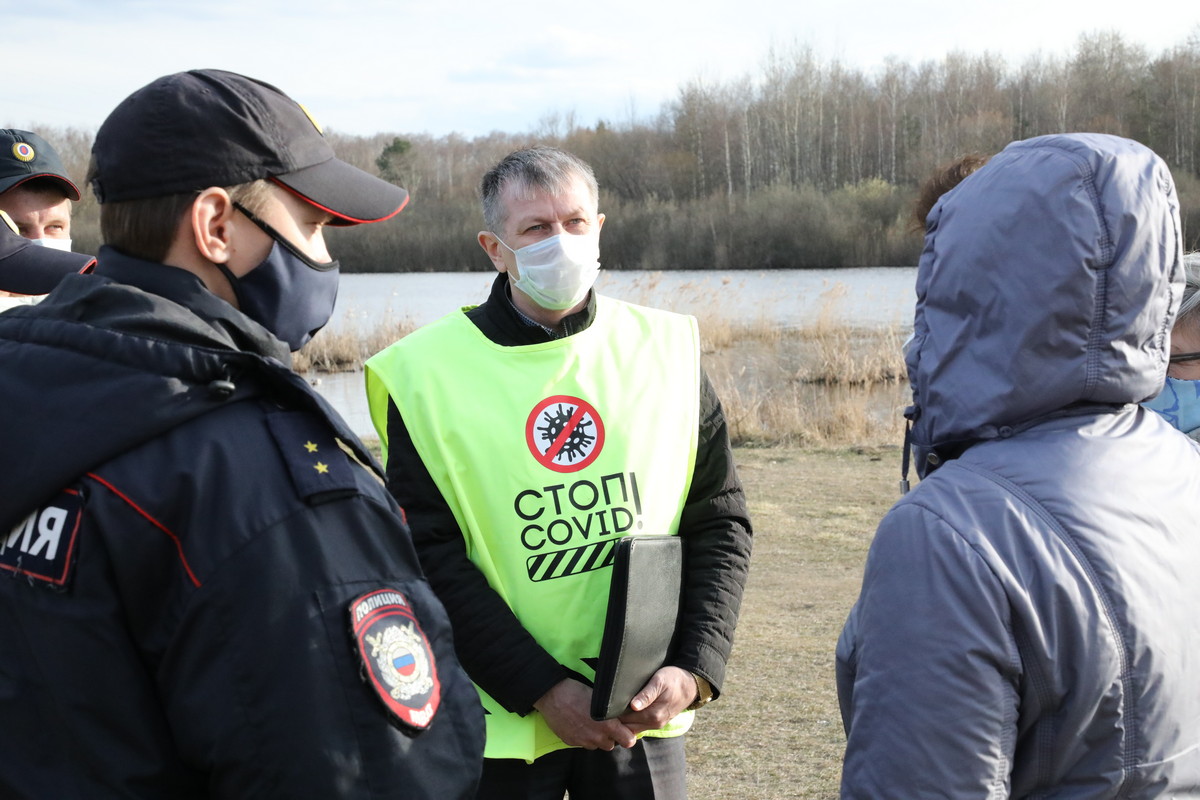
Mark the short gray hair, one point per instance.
(543, 168)
(1189, 309)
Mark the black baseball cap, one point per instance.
(206, 127)
(28, 268)
(24, 156)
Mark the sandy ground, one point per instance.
(776, 731)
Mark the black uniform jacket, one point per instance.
(497, 651)
(190, 527)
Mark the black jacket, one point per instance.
(197, 524)
(496, 650)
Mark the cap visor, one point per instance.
(26, 268)
(69, 189)
(349, 194)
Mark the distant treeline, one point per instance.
(808, 163)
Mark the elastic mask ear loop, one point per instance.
(233, 283)
(904, 458)
(283, 242)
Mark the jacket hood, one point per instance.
(1049, 280)
(100, 367)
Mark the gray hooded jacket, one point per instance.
(1029, 621)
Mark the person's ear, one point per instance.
(495, 251)
(210, 218)
(599, 222)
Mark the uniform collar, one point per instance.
(186, 289)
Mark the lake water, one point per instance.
(866, 297)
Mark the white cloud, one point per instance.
(367, 66)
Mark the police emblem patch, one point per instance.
(23, 151)
(395, 658)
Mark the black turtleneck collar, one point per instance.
(499, 320)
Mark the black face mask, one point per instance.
(289, 294)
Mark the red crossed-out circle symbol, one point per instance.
(564, 433)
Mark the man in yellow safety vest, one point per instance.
(523, 437)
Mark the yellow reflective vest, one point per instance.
(546, 454)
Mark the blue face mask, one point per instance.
(289, 294)
(1178, 403)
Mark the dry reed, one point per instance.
(346, 349)
(823, 384)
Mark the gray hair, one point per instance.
(1189, 309)
(541, 168)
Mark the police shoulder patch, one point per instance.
(395, 658)
(41, 548)
(315, 461)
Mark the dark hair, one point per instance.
(546, 168)
(146, 228)
(941, 181)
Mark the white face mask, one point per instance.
(54, 244)
(556, 273)
(7, 302)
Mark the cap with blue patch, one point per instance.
(25, 156)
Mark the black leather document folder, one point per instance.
(643, 609)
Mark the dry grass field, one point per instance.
(776, 731)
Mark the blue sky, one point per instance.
(471, 67)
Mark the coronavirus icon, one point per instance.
(564, 433)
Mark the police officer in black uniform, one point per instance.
(27, 271)
(206, 591)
